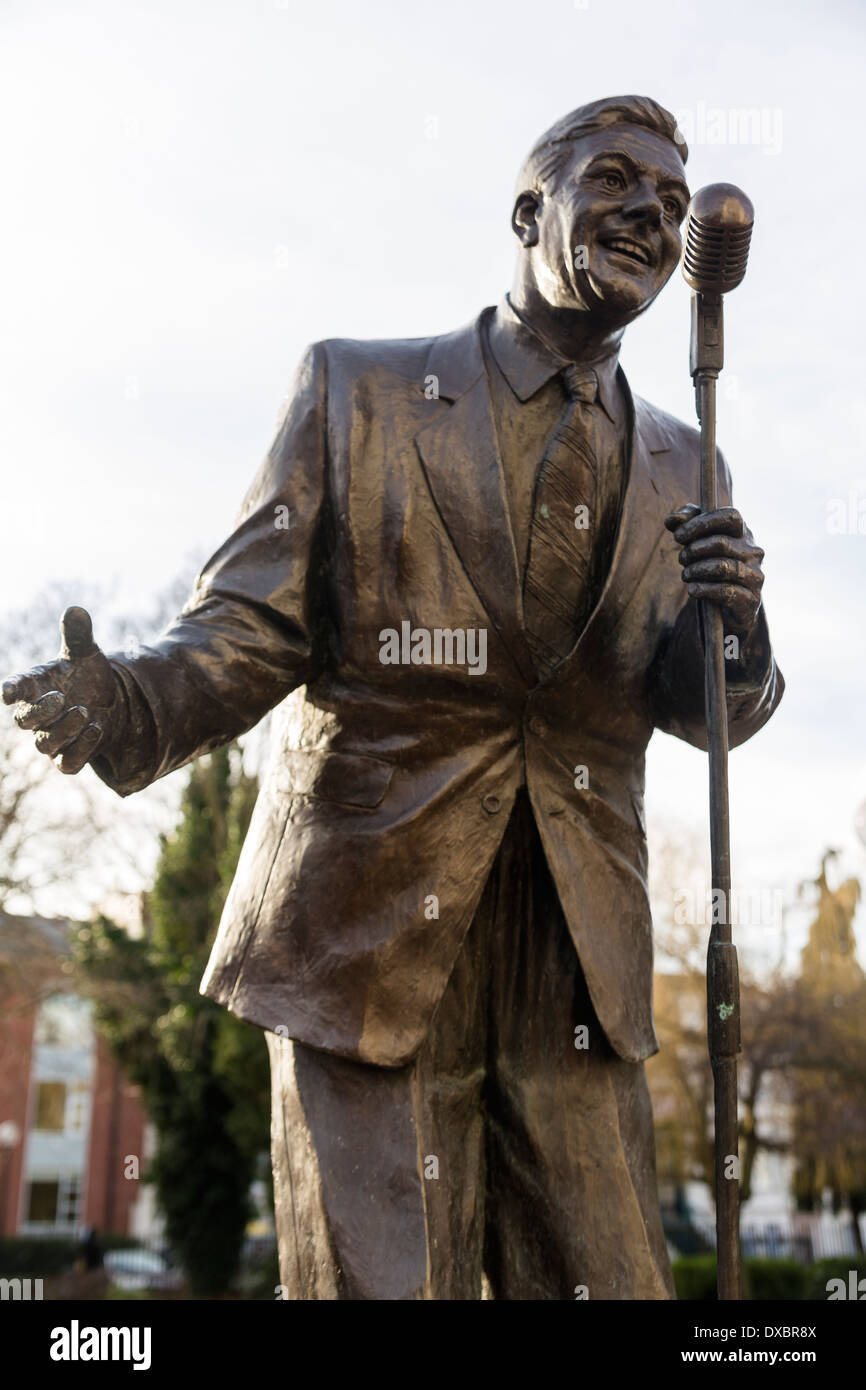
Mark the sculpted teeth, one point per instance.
(619, 244)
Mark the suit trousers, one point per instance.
(516, 1145)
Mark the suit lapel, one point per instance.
(463, 466)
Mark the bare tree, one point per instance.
(802, 1075)
(66, 842)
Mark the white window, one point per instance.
(54, 1201)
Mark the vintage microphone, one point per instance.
(718, 232)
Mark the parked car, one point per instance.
(136, 1268)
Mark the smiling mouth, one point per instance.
(624, 246)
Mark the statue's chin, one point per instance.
(615, 301)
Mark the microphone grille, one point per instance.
(718, 233)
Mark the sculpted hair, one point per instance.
(552, 151)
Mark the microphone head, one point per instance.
(718, 232)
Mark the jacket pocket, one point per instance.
(350, 779)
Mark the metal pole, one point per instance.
(723, 990)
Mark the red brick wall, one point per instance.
(16, 1040)
(116, 1131)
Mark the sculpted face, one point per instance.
(607, 239)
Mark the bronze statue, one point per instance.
(467, 554)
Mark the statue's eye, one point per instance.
(612, 180)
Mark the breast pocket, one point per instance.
(348, 779)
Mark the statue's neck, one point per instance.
(575, 334)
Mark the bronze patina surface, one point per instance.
(474, 559)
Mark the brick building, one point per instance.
(72, 1129)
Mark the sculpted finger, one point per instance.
(681, 515)
(740, 602)
(73, 758)
(60, 735)
(17, 688)
(28, 686)
(76, 632)
(724, 521)
(42, 712)
(724, 571)
(705, 547)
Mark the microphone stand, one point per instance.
(723, 985)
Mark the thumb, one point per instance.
(684, 513)
(76, 631)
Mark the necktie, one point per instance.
(558, 583)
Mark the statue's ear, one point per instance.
(524, 219)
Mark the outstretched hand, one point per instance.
(68, 701)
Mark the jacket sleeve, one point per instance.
(754, 683)
(248, 634)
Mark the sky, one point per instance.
(196, 191)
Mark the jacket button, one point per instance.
(491, 803)
(537, 726)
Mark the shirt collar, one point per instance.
(527, 363)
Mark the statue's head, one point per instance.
(599, 204)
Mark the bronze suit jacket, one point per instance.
(390, 785)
